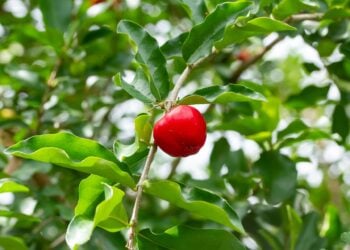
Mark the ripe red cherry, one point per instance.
(180, 132)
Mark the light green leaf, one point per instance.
(8, 185)
(306, 135)
(110, 213)
(195, 9)
(184, 238)
(150, 55)
(12, 243)
(295, 224)
(65, 150)
(255, 27)
(57, 14)
(279, 176)
(79, 231)
(286, 8)
(171, 192)
(201, 38)
(223, 95)
(138, 88)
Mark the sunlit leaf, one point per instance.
(8, 185)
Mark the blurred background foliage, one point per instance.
(281, 164)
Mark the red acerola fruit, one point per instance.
(244, 55)
(180, 132)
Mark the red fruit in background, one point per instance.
(180, 132)
(243, 55)
(93, 2)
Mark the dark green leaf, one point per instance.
(255, 27)
(65, 150)
(279, 176)
(150, 55)
(171, 192)
(310, 134)
(286, 8)
(223, 95)
(296, 126)
(172, 48)
(195, 9)
(57, 14)
(96, 34)
(340, 124)
(309, 96)
(138, 88)
(295, 224)
(201, 38)
(184, 238)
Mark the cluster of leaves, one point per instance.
(71, 75)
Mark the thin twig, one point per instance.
(174, 166)
(134, 216)
(244, 66)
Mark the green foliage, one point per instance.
(82, 84)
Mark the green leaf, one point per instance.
(172, 48)
(91, 193)
(195, 9)
(110, 213)
(79, 231)
(223, 95)
(184, 238)
(309, 134)
(150, 55)
(201, 38)
(279, 176)
(95, 34)
(345, 237)
(340, 124)
(331, 226)
(65, 150)
(57, 14)
(171, 192)
(345, 48)
(286, 8)
(12, 243)
(255, 27)
(138, 88)
(295, 224)
(8, 185)
(309, 96)
(296, 126)
(137, 151)
(309, 236)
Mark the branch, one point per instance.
(238, 72)
(294, 18)
(135, 212)
(174, 166)
(168, 104)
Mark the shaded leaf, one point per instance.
(223, 95)
(201, 38)
(296, 126)
(18, 216)
(309, 96)
(57, 14)
(286, 8)
(295, 224)
(255, 27)
(150, 55)
(310, 134)
(64, 149)
(195, 9)
(183, 238)
(172, 47)
(171, 192)
(340, 124)
(279, 176)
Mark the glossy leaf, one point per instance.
(53, 148)
(171, 192)
(201, 38)
(286, 8)
(79, 231)
(340, 124)
(223, 95)
(255, 27)
(11, 243)
(8, 185)
(279, 176)
(150, 55)
(196, 9)
(183, 238)
(57, 14)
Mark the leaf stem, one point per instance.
(134, 216)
